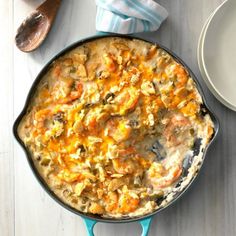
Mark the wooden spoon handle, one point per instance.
(49, 8)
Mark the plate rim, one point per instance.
(202, 65)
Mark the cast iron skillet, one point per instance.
(91, 220)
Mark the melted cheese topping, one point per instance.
(110, 125)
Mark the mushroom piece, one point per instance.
(159, 150)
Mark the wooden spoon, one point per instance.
(36, 26)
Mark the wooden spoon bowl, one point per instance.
(34, 29)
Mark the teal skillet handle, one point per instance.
(89, 226)
(100, 33)
(145, 224)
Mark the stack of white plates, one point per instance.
(217, 53)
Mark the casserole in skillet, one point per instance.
(112, 124)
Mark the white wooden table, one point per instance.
(209, 209)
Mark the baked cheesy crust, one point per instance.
(111, 124)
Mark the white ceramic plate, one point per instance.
(201, 68)
(217, 58)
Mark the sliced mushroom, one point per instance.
(159, 150)
(59, 117)
(108, 98)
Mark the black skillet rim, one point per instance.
(34, 169)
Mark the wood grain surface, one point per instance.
(208, 209)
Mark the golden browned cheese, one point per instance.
(110, 125)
